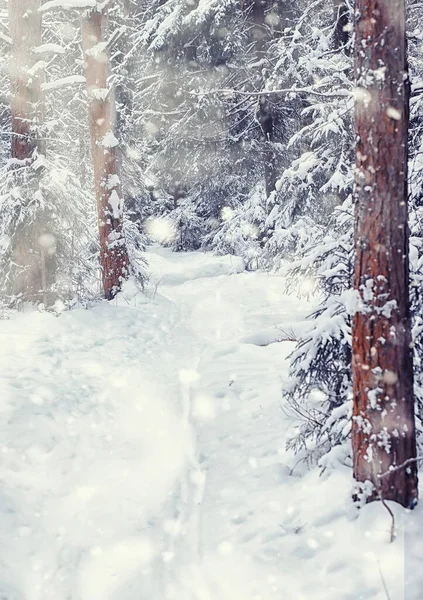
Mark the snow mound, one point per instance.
(171, 268)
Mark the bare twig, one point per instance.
(403, 465)
(392, 533)
(385, 587)
(156, 287)
(288, 335)
(406, 463)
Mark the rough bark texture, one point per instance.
(33, 246)
(101, 108)
(383, 415)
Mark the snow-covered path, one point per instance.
(143, 455)
(235, 397)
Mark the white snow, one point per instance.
(67, 4)
(63, 82)
(109, 140)
(98, 51)
(99, 93)
(40, 65)
(49, 48)
(143, 455)
(115, 203)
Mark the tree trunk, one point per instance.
(260, 34)
(383, 413)
(27, 97)
(341, 33)
(34, 270)
(101, 113)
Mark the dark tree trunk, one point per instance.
(341, 34)
(101, 113)
(383, 415)
(260, 34)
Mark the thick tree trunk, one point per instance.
(383, 415)
(101, 108)
(33, 244)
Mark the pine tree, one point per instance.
(319, 392)
(44, 207)
(32, 249)
(210, 132)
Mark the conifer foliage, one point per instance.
(26, 218)
(321, 393)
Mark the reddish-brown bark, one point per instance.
(101, 113)
(383, 414)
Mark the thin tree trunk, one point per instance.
(260, 35)
(101, 109)
(383, 415)
(341, 33)
(27, 97)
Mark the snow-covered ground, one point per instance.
(142, 455)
